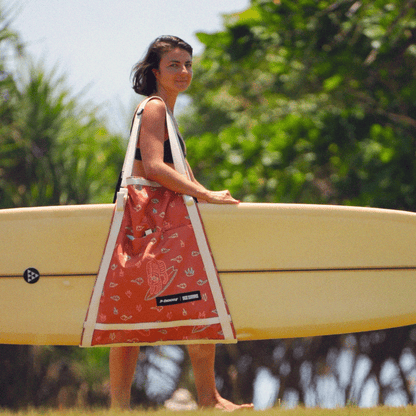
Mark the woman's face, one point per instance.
(175, 71)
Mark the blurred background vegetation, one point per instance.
(310, 101)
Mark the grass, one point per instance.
(346, 411)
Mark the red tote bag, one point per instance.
(157, 282)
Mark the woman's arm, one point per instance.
(152, 136)
(191, 174)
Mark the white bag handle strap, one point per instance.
(177, 154)
(131, 147)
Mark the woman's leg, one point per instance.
(203, 360)
(122, 367)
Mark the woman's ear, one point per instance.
(155, 72)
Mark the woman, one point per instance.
(165, 72)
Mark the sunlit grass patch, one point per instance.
(299, 411)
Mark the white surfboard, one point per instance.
(288, 270)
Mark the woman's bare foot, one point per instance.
(220, 403)
(202, 358)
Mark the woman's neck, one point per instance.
(169, 99)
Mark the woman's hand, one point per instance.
(219, 197)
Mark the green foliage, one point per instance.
(55, 151)
(92, 365)
(308, 101)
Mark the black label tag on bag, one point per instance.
(179, 298)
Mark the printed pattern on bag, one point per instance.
(156, 257)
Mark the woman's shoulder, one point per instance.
(154, 110)
(154, 103)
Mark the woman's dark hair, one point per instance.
(144, 81)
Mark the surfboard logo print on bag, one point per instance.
(159, 277)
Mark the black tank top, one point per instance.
(167, 151)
